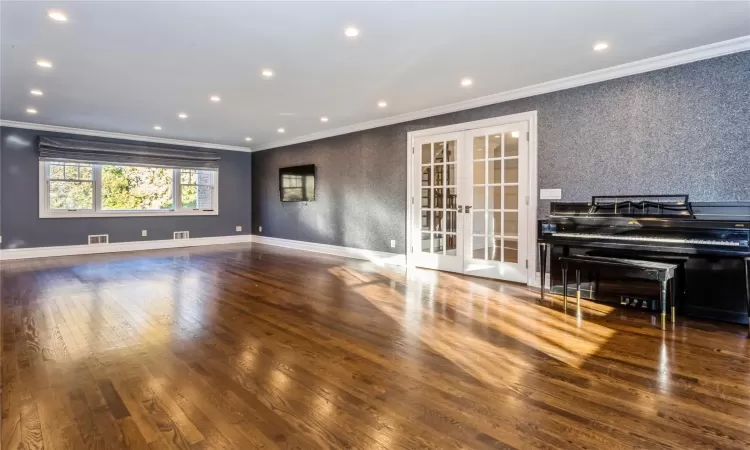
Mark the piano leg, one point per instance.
(578, 290)
(543, 265)
(672, 286)
(565, 286)
(663, 304)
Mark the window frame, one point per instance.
(45, 212)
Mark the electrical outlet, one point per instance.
(260, 229)
(393, 243)
(144, 232)
(238, 228)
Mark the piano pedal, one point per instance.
(639, 303)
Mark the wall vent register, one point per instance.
(99, 239)
(182, 235)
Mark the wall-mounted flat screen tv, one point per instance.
(297, 184)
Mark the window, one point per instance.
(197, 188)
(72, 189)
(71, 186)
(137, 188)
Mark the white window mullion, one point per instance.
(177, 189)
(97, 175)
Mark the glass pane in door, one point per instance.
(510, 250)
(496, 250)
(426, 176)
(450, 151)
(425, 221)
(495, 147)
(426, 153)
(439, 175)
(451, 242)
(511, 143)
(426, 246)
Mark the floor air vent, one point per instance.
(98, 239)
(182, 235)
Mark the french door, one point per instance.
(439, 227)
(470, 211)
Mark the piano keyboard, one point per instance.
(647, 239)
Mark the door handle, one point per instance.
(459, 208)
(467, 208)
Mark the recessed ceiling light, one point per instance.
(215, 98)
(31, 110)
(324, 119)
(351, 32)
(36, 92)
(58, 16)
(43, 63)
(600, 46)
(248, 139)
(280, 130)
(182, 115)
(382, 104)
(466, 82)
(268, 73)
(157, 127)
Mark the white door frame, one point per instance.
(529, 116)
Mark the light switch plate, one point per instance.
(550, 194)
(238, 228)
(260, 229)
(393, 243)
(144, 232)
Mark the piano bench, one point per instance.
(630, 268)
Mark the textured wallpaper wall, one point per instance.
(684, 129)
(21, 227)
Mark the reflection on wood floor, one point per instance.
(273, 348)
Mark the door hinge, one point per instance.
(412, 250)
(412, 200)
(527, 263)
(412, 150)
(527, 136)
(527, 200)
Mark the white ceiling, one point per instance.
(126, 66)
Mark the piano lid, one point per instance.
(641, 206)
(656, 206)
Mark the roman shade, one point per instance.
(63, 149)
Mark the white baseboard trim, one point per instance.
(69, 250)
(347, 252)
(537, 281)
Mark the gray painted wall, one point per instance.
(20, 225)
(684, 129)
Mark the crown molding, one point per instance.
(633, 68)
(123, 136)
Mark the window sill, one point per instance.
(123, 214)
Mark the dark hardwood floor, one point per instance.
(273, 348)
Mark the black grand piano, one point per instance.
(710, 242)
